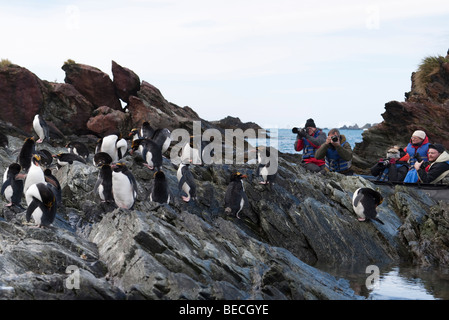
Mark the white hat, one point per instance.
(420, 134)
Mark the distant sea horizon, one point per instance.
(284, 139)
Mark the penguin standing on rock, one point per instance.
(12, 188)
(114, 145)
(263, 169)
(150, 151)
(162, 137)
(35, 173)
(104, 184)
(78, 148)
(64, 159)
(186, 182)
(159, 189)
(41, 205)
(235, 197)
(124, 186)
(41, 128)
(365, 202)
(146, 131)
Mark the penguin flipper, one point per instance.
(33, 205)
(97, 184)
(357, 199)
(245, 199)
(5, 185)
(181, 182)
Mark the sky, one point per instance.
(276, 63)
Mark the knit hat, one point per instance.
(438, 147)
(310, 124)
(420, 134)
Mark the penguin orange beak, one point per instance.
(244, 176)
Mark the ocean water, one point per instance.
(284, 140)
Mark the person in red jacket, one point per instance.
(309, 140)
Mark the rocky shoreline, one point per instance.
(192, 250)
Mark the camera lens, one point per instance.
(295, 130)
(334, 138)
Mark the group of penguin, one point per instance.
(115, 182)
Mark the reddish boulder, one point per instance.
(93, 84)
(105, 121)
(21, 96)
(67, 109)
(126, 82)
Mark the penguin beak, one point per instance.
(244, 176)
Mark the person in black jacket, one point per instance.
(391, 168)
(438, 166)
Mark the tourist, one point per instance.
(337, 153)
(438, 166)
(309, 140)
(416, 150)
(391, 168)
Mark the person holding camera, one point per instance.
(391, 168)
(309, 139)
(337, 153)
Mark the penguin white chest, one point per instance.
(101, 192)
(37, 216)
(8, 193)
(35, 175)
(357, 205)
(37, 127)
(122, 190)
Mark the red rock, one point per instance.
(68, 109)
(93, 84)
(107, 121)
(21, 96)
(126, 82)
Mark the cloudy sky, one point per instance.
(276, 63)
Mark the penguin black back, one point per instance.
(78, 148)
(186, 182)
(26, 153)
(365, 202)
(104, 183)
(46, 157)
(41, 197)
(235, 197)
(53, 184)
(146, 131)
(12, 188)
(160, 192)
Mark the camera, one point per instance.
(418, 157)
(301, 132)
(334, 139)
